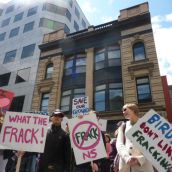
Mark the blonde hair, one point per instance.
(133, 107)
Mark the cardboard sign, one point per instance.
(80, 106)
(86, 139)
(24, 131)
(6, 98)
(152, 134)
(103, 124)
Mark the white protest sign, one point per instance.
(24, 131)
(86, 139)
(103, 124)
(80, 106)
(64, 123)
(152, 134)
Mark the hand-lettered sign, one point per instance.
(86, 139)
(24, 131)
(152, 134)
(80, 106)
(102, 124)
(5, 99)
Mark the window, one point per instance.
(2, 36)
(28, 51)
(9, 9)
(50, 24)
(70, 2)
(74, 65)
(139, 51)
(76, 26)
(4, 79)
(28, 27)
(14, 32)
(116, 100)
(67, 97)
(45, 102)
(18, 17)
(108, 97)
(100, 98)
(83, 24)
(66, 29)
(10, 56)
(68, 14)
(1, 11)
(49, 71)
(17, 104)
(54, 9)
(107, 57)
(100, 59)
(22, 75)
(5, 22)
(114, 56)
(143, 90)
(77, 13)
(32, 11)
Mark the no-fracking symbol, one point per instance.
(92, 128)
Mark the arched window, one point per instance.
(49, 71)
(139, 51)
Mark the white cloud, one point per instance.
(168, 17)
(157, 19)
(88, 7)
(106, 19)
(111, 1)
(163, 37)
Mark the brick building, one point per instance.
(113, 64)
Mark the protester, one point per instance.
(57, 152)
(113, 152)
(106, 161)
(2, 161)
(131, 159)
(28, 161)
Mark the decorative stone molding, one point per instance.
(143, 68)
(45, 86)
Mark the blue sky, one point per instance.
(101, 11)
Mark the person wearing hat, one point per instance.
(57, 151)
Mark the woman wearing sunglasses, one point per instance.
(131, 159)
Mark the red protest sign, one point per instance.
(6, 98)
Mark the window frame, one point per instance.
(136, 46)
(32, 11)
(5, 22)
(49, 75)
(14, 32)
(9, 9)
(18, 80)
(9, 55)
(28, 27)
(73, 93)
(149, 90)
(106, 89)
(44, 99)
(106, 61)
(2, 36)
(74, 66)
(5, 82)
(28, 54)
(18, 17)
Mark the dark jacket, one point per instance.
(57, 152)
